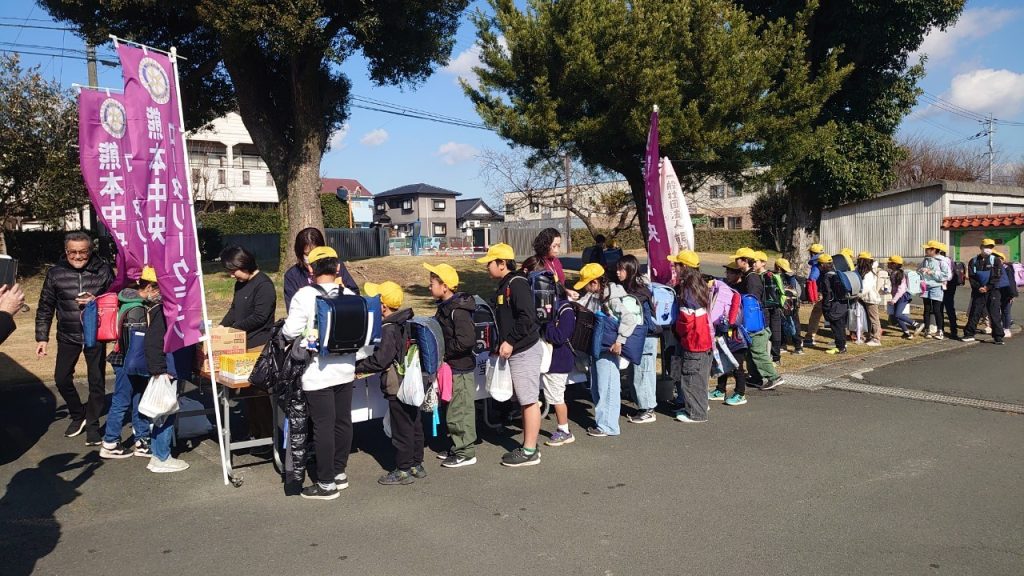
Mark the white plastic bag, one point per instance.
(160, 397)
(411, 390)
(499, 379)
(545, 361)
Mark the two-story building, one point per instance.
(360, 199)
(226, 168)
(399, 209)
(474, 218)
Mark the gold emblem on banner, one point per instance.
(154, 78)
(112, 117)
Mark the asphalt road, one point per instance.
(795, 482)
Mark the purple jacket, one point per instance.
(558, 333)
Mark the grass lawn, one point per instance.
(18, 362)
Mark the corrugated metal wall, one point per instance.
(896, 224)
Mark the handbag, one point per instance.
(135, 356)
(499, 379)
(160, 398)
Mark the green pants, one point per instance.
(461, 415)
(760, 354)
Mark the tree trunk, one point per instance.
(802, 225)
(303, 206)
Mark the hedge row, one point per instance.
(706, 239)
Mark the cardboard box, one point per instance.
(223, 340)
(238, 365)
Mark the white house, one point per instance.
(225, 165)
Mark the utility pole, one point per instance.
(991, 153)
(568, 203)
(90, 57)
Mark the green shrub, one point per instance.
(335, 212)
(706, 239)
(244, 220)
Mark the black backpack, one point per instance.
(959, 274)
(583, 331)
(774, 297)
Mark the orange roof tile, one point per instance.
(984, 221)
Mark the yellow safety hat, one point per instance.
(148, 274)
(500, 251)
(743, 253)
(760, 255)
(934, 245)
(446, 273)
(896, 259)
(1000, 254)
(686, 258)
(783, 264)
(824, 259)
(391, 294)
(589, 273)
(817, 248)
(321, 252)
(865, 255)
(847, 251)
(988, 243)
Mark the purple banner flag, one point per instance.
(162, 200)
(658, 248)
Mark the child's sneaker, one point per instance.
(596, 432)
(643, 417)
(395, 478)
(341, 481)
(142, 448)
(560, 438)
(834, 351)
(736, 400)
(443, 455)
(418, 471)
(113, 450)
(716, 395)
(877, 343)
(455, 461)
(318, 492)
(165, 466)
(682, 416)
(519, 457)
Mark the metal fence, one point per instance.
(358, 243)
(520, 234)
(266, 248)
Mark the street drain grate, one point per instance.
(922, 395)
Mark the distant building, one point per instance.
(967, 232)
(360, 199)
(474, 218)
(399, 209)
(226, 168)
(898, 221)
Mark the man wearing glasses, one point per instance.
(69, 285)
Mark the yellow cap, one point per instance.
(446, 273)
(817, 248)
(824, 259)
(896, 259)
(1000, 254)
(390, 293)
(847, 251)
(743, 253)
(148, 274)
(500, 251)
(686, 258)
(321, 252)
(934, 245)
(760, 255)
(590, 272)
(783, 265)
(865, 255)
(988, 242)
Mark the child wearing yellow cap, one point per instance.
(900, 297)
(455, 315)
(814, 322)
(985, 273)
(519, 335)
(935, 272)
(834, 306)
(870, 298)
(326, 382)
(791, 307)
(406, 425)
(762, 370)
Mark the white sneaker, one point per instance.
(939, 336)
(172, 464)
(988, 329)
(1007, 333)
(874, 343)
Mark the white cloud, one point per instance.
(1000, 92)
(462, 65)
(374, 138)
(336, 141)
(971, 26)
(453, 153)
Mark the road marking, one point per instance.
(909, 394)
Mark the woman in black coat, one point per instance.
(298, 276)
(253, 305)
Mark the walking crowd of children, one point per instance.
(538, 329)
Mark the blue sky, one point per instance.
(974, 68)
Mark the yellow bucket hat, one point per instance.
(500, 251)
(446, 273)
(391, 294)
(847, 251)
(896, 259)
(934, 245)
(817, 248)
(783, 265)
(760, 255)
(686, 258)
(589, 273)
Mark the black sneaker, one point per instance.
(341, 481)
(418, 471)
(395, 478)
(318, 492)
(1000, 342)
(93, 438)
(443, 455)
(74, 428)
(115, 451)
(519, 457)
(757, 384)
(596, 432)
(455, 461)
(773, 383)
(142, 448)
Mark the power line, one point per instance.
(104, 62)
(947, 104)
(401, 110)
(462, 124)
(36, 27)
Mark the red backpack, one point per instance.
(107, 327)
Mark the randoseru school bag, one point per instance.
(99, 320)
(485, 324)
(851, 282)
(583, 329)
(345, 322)
(913, 282)
(959, 273)
(428, 337)
(606, 332)
(663, 304)
(694, 330)
(545, 293)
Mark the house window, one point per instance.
(270, 180)
(733, 192)
(735, 223)
(510, 210)
(534, 208)
(718, 222)
(440, 230)
(223, 161)
(718, 191)
(439, 205)
(222, 177)
(407, 205)
(245, 177)
(382, 207)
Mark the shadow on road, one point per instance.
(26, 410)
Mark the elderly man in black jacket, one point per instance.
(74, 282)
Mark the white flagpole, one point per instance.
(199, 262)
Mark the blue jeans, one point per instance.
(161, 438)
(607, 393)
(900, 314)
(121, 400)
(645, 376)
